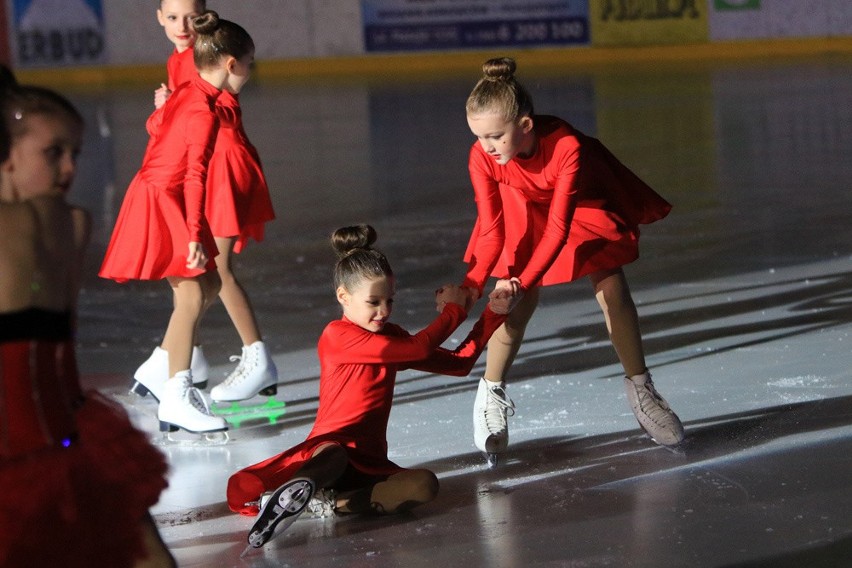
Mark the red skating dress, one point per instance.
(357, 376)
(77, 477)
(180, 67)
(569, 210)
(238, 203)
(163, 209)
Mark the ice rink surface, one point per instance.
(744, 294)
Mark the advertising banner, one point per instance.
(410, 25)
(57, 32)
(753, 19)
(648, 22)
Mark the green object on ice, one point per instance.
(236, 413)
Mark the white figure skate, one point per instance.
(491, 410)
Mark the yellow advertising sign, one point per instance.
(647, 22)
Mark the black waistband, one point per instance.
(35, 323)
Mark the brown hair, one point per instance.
(23, 101)
(202, 3)
(498, 91)
(217, 38)
(356, 260)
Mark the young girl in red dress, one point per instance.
(77, 477)
(553, 205)
(360, 355)
(237, 206)
(161, 231)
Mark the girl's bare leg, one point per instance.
(651, 410)
(622, 321)
(506, 341)
(400, 492)
(158, 556)
(191, 296)
(233, 296)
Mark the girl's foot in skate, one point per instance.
(183, 406)
(491, 410)
(151, 375)
(255, 374)
(281, 510)
(652, 411)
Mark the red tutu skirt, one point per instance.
(246, 486)
(150, 240)
(81, 506)
(237, 197)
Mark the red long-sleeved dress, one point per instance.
(180, 68)
(237, 202)
(357, 376)
(567, 211)
(77, 477)
(163, 209)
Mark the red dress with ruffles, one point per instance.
(77, 477)
(237, 202)
(567, 211)
(357, 377)
(163, 209)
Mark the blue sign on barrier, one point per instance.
(58, 32)
(409, 25)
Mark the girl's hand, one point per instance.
(512, 285)
(450, 293)
(501, 302)
(197, 256)
(161, 95)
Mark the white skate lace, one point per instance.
(238, 374)
(197, 400)
(497, 408)
(652, 404)
(322, 503)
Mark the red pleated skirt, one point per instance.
(150, 240)
(237, 198)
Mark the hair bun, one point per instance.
(347, 239)
(206, 23)
(499, 69)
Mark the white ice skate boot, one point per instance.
(152, 374)
(256, 373)
(491, 410)
(283, 508)
(652, 411)
(183, 406)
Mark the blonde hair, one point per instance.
(498, 91)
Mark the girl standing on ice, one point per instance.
(360, 354)
(553, 205)
(161, 231)
(77, 477)
(237, 206)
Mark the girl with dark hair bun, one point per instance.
(554, 205)
(343, 466)
(162, 232)
(237, 203)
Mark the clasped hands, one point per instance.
(501, 300)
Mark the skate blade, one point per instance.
(185, 439)
(492, 459)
